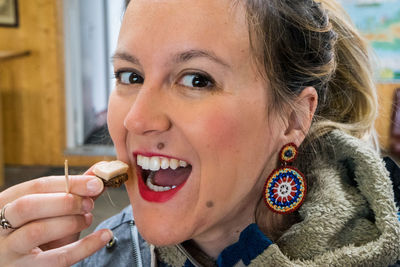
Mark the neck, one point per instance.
(226, 233)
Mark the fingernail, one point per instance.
(88, 218)
(87, 204)
(94, 186)
(106, 236)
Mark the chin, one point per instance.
(159, 235)
(162, 223)
(152, 227)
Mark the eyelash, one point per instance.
(210, 83)
(119, 77)
(205, 78)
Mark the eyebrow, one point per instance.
(191, 54)
(179, 58)
(126, 57)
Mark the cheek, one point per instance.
(232, 155)
(220, 131)
(117, 110)
(233, 145)
(226, 143)
(226, 131)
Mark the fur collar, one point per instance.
(349, 217)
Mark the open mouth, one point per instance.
(160, 177)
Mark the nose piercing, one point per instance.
(160, 146)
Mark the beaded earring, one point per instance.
(285, 188)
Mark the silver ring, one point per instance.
(5, 224)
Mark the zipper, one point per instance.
(190, 257)
(137, 259)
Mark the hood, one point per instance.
(349, 217)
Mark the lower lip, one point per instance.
(153, 196)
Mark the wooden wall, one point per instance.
(32, 88)
(1, 147)
(382, 124)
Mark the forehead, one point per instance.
(212, 24)
(186, 12)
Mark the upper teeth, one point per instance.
(155, 163)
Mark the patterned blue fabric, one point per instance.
(188, 264)
(252, 242)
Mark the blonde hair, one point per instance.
(302, 43)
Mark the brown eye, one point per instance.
(128, 77)
(196, 80)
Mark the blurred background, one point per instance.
(56, 76)
(55, 79)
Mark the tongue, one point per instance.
(171, 177)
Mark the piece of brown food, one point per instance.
(112, 173)
(116, 181)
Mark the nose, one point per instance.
(148, 114)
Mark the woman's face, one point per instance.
(188, 90)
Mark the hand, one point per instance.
(48, 222)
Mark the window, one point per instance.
(90, 32)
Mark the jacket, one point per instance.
(349, 218)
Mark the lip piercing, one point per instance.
(160, 146)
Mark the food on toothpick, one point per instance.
(112, 173)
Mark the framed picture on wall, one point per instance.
(8, 13)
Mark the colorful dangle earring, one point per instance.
(285, 188)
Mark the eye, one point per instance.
(198, 80)
(128, 77)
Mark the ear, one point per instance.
(299, 120)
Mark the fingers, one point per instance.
(90, 172)
(39, 206)
(37, 233)
(82, 185)
(60, 242)
(75, 252)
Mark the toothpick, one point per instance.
(66, 176)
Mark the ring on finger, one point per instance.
(5, 224)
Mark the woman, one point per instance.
(211, 102)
